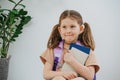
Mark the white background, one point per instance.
(103, 17)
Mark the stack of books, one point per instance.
(80, 53)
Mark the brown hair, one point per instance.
(85, 37)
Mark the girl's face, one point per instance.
(70, 30)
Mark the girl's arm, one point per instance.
(86, 72)
(49, 74)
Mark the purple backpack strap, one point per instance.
(57, 55)
(94, 77)
(55, 63)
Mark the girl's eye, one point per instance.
(63, 26)
(73, 26)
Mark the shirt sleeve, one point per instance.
(47, 56)
(91, 61)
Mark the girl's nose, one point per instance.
(68, 30)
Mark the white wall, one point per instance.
(102, 15)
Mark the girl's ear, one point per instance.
(59, 29)
(82, 27)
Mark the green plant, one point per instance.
(11, 25)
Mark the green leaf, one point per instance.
(26, 20)
(12, 39)
(22, 12)
(12, 30)
(22, 5)
(15, 11)
(1, 10)
(3, 17)
(12, 1)
(5, 39)
(8, 34)
(11, 18)
(17, 32)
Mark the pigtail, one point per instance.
(54, 38)
(86, 37)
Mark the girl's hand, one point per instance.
(69, 75)
(68, 57)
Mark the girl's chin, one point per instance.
(69, 41)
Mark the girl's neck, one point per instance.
(66, 45)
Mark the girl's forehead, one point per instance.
(70, 17)
(68, 20)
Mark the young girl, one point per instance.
(70, 29)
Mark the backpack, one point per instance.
(57, 58)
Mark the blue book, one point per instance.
(80, 53)
(79, 47)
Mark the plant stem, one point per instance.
(17, 4)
